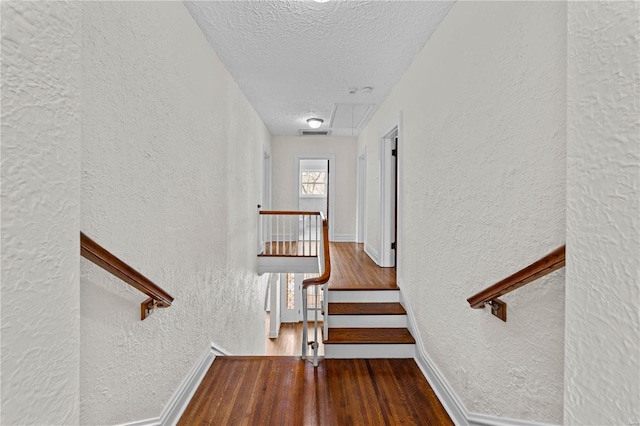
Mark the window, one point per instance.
(291, 291)
(313, 184)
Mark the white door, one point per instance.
(361, 197)
(291, 303)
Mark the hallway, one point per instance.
(517, 133)
(353, 269)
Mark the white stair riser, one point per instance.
(367, 321)
(378, 350)
(348, 296)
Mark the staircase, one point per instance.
(367, 323)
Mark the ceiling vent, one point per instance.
(304, 132)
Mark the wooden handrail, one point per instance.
(549, 263)
(97, 254)
(324, 278)
(290, 212)
(321, 280)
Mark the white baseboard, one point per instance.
(344, 238)
(182, 396)
(445, 393)
(373, 253)
(476, 419)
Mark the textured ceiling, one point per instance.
(298, 59)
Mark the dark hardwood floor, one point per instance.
(353, 269)
(289, 391)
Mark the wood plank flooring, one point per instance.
(289, 391)
(353, 269)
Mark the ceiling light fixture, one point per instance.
(314, 123)
(321, 1)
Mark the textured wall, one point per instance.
(483, 195)
(171, 171)
(285, 195)
(602, 355)
(40, 212)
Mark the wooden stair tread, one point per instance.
(378, 308)
(360, 287)
(369, 335)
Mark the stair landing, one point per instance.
(287, 390)
(353, 269)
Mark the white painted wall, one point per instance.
(285, 193)
(41, 133)
(483, 195)
(171, 176)
(602, 349)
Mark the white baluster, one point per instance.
(305, 337)
(315, 329)
(291, 234)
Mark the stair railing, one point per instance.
(158, 298)
(290, 233)
(324, 265)
(489, 296)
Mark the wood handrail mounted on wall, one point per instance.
(489, 296)
(94, 252)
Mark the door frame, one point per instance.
(332, 185)
(389, 203)
(264, 229)
(361, 197)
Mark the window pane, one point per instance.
(313, 189)
(291, 284)
(311, 177)
(313, 183)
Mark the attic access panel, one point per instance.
(350, 116)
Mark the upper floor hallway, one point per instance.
(517, 131)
